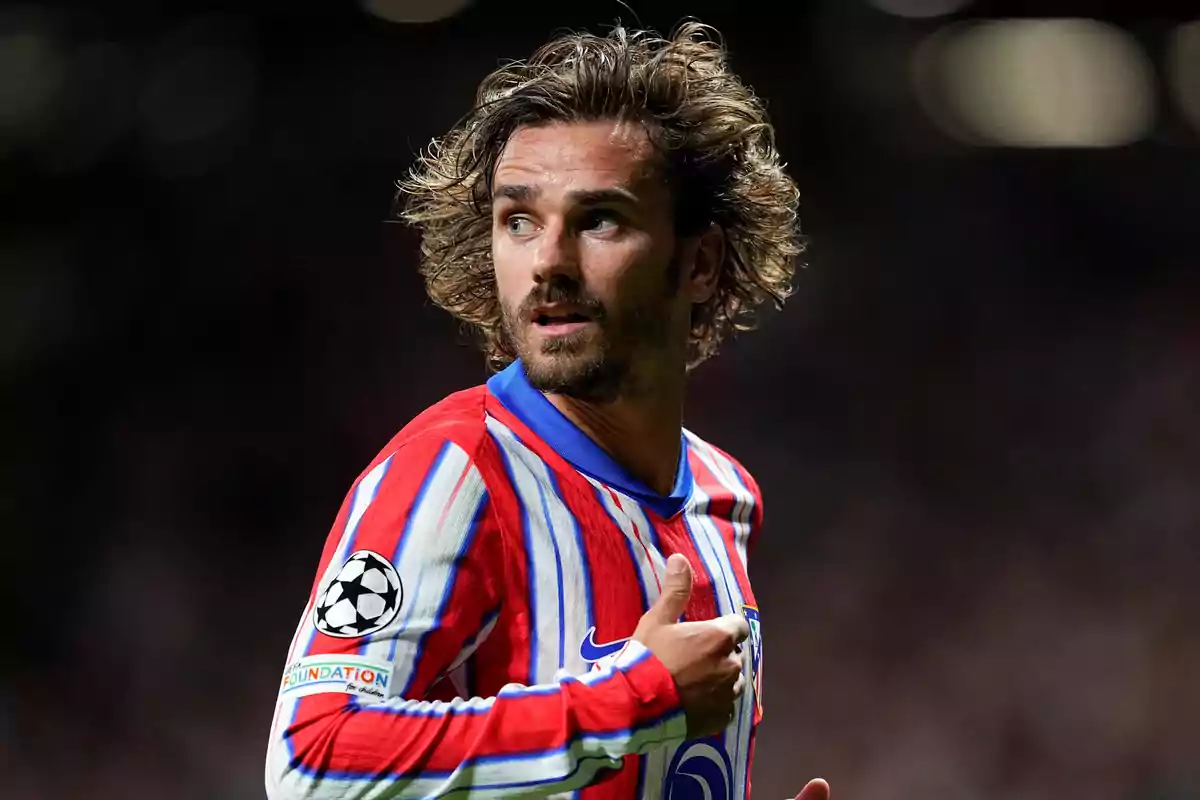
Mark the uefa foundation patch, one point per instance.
(354, 675)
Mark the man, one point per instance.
(539, 586)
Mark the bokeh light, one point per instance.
(31, 73)
(920, 9)
(1037, 83)
(1183, 70)
(414, 10)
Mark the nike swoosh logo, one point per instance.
(592, 652)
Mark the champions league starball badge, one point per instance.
(362, 598)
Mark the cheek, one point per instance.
(510, 280)
(638, 286)
(618, 275)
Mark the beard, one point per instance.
(594, 364)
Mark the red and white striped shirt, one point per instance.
(468, 630)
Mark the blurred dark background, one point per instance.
(975, 423)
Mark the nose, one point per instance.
(555, 254)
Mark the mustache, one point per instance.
(559, 293)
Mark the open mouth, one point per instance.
(550, 320)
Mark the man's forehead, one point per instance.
(592, 155)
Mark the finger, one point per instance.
(739, 685)
(816, 789)
(734, 666)
(676, 591)
(734, 627)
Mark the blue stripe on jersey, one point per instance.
(558, 571)
(447, 590)
(402, 542)
(710, 552)
(585, 563)
(552, 529)
(527, 533)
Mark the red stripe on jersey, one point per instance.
(506, 656)
(644, 537)
(674, 537)
(621, 782)
(722, 505)
(751, 485)
(616, 593)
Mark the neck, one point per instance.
(640, 431)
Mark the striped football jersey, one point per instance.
(468, 631)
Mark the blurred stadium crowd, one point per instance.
(975, 424)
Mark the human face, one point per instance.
(586, 257)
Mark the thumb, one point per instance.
(676, 591)
(815, 790)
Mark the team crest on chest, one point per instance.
(755, 641)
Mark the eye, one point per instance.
(600, 221)
(518, 226)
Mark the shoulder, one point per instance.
(450, 437)
(719, 474)
(722, 466)
(456, 422)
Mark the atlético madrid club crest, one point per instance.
(755, 641)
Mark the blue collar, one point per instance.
(514, 391)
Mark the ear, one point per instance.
(708, 256)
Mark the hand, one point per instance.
(702, 657)
(814, 790)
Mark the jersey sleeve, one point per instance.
(412, 579)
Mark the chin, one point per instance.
(584, 374)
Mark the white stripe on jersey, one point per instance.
(285, 709)
(437, 532)
(628, 515)
(561, 599)
(726, 475)
(643, 547)
(708, 541)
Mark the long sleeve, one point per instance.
(412, 579)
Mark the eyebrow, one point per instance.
(584, 197)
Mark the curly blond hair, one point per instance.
(718, 149)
